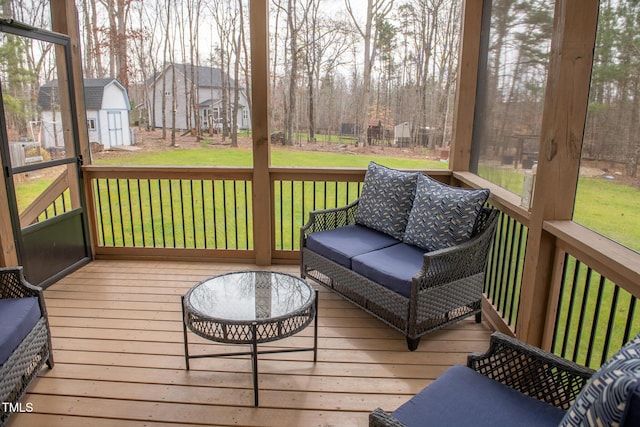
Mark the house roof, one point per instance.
(93, 93)
(205, 76)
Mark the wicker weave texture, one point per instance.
(447, 288)
(531, 371)
(34, 351)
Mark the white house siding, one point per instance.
(204, 93)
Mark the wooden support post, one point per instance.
(563, 122)
(64, 17)
(460, 154)
(8, 253)
(262, 188)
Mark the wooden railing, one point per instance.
(183, 213)
(206, 213)
(594, 295)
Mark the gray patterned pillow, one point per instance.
(442, 216)
(386, 199)
(604, 400)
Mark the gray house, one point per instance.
(209, 97)
(107, 105)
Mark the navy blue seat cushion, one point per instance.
(392, 267)
(462, 397)
(18, 316)
(342, 244)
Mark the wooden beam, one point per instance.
(460, 153)
(64, 20)
(44, 200)
(8, 254)
(563, 122)
(262, 189)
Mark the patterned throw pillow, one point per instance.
(602, 402)
(386, 199)
(442, 216)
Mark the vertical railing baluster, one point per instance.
(111, 212)
(596, 319)
(583, 311)
(180, 185)
(133, 231)
(214, 204)
(140, 211)
(100, 214)
(610, 324)
(193, 214)
(570, 307)
(224, 214)
(556, 339)
(630, 318)
(162, 214)
(205, 229)
(235, 210)
(247, 213)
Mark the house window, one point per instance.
(512, 82)
(245, 114)
(91, 124)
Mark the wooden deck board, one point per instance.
(117, 338)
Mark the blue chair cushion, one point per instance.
(442, 216)
(342, 244)
(18, 316)
(462, 397)
(386, 199)
(611, 396)
(392, 267)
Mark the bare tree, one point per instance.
(376, 10)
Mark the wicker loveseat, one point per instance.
(410, 251)
(25, 340)
(518, 385)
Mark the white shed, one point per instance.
(107, 105)
(402, 134)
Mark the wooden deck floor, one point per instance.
(118, 348)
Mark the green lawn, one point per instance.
(243, 157)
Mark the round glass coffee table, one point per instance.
(250, 307)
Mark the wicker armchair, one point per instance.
(446, 287)
(23, 312)
(523, 368)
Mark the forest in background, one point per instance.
(347, 64)
(335, 64)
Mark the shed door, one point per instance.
(44, 190)
(115, 128)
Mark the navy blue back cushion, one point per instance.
(342, 244)
(18, 316)
(461, 397)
